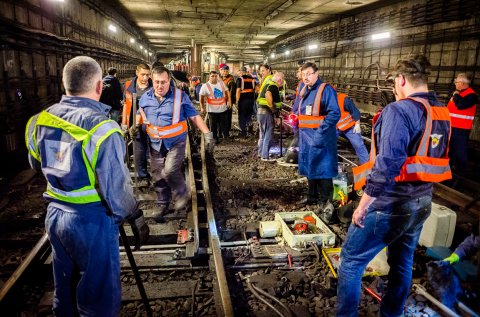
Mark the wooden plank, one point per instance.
(457, 198)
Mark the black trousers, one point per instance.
(321, 189)
(458, 150)
(218, 124)
(229, 113)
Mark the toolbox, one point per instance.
(376, 267)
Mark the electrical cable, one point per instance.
(273, 298)
(263, 300)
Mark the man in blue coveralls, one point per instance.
(318, 114)
(164, 110)
(81, 154)
(409, 152)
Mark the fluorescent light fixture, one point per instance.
(145, 51)
(272, 55)
(132, 40)
(58, 0)
(141, 47)
(380, 36)
(287, 53)
(312, 46)
(149, 53)
(112, 28)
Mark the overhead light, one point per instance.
(141, 47)
(132, 40)
(272, 55)
(380, 36)
(287, 53)
(58, 0)
(149, 53)
(145, 51)
(112, 28)
(312, 46)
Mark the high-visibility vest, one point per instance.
(127, 108)
(216, 102)
(297, 89)
(176, 128)
(462, 119)
(263, 90)
(227, 80)
(90, 141)
(422, 166)
(346, 121)
(262, 100)
(314, 120)
(250, 82)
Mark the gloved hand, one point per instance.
(124, 129)
(357, 128)
(140, 229)
(452, 259)
(209, 141)
(134, 131)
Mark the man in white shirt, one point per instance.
(215, 99)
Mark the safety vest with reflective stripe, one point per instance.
(262, 100)
(176, 128)
(346, 121)
(422, 166)
(216, 102)
(263, 90)
(250, 82)
(90, 141)
(314, 120)
(127, 108)
(462, 119)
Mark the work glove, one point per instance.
(357, 128)
(452, 259)
(140, 229)
(124, 129)
(209, 142)
(134, 131)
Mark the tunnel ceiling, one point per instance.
(240, 29)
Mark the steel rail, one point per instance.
(226, 301)
(194, 208)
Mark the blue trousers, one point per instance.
(167, 172)
(141, 151)
(357, 144)
(398, 228)
(459, 150)
(86, 262)
(265, 135)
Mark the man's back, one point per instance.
(112, 92)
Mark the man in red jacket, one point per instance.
(462, 107)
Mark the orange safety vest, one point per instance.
(246, 80)
(298, 87)
(176, 128)
(346, 121)
(462, 119)
(314, 120)
(422, 166)
(215, 102)
(128, 105)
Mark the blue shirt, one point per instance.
(160, 114)
(112, 175)
(350, 107)
(398, 132)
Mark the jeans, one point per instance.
(141, 151)
(265, 135)
(86, 262)
(357, 144)
(218, 124)
(167, 172)
(458, 150)
(397, 226)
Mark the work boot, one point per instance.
(158, 214)
(182, 204)
(308, 200)
(326, 211)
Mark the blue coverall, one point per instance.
(84, 237)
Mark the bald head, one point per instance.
(278, 77)
(81, 76)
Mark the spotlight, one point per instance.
(380, 36)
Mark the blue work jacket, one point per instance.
(160, 114)
(69, 172)
(318, 147)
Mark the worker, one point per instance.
(318, 114)
(349, 126)
(164, 110)
(112, 94)
(269, 105)
(462, 107)
(409, 152)
(215, 100)
(138, 85)
(245, 96)
(80, 153)
(196, 86)
(229, 81)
